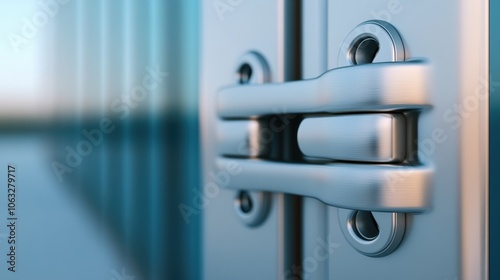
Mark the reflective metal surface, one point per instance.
(366, 138)
(252, 68)
(385, 188)
(240, 138)
(252, 207)
(387, 44)
(391, 229)
(448, 240)
(360, 88)
(442, 191)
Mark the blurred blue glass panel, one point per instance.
(494, 179)
(98, 102)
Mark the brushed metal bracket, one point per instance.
(350, 131)
(369, 187)
(371, 99)
(374, 234)
(377, 87)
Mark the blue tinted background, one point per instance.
(494, 140)
(117, 211)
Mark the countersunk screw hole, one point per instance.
(364, 50)
(245, 73)
(365, 226)
(246, 203)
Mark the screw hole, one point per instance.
(365, 226)
(245, 73)
(245, 202)
(364, 50)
